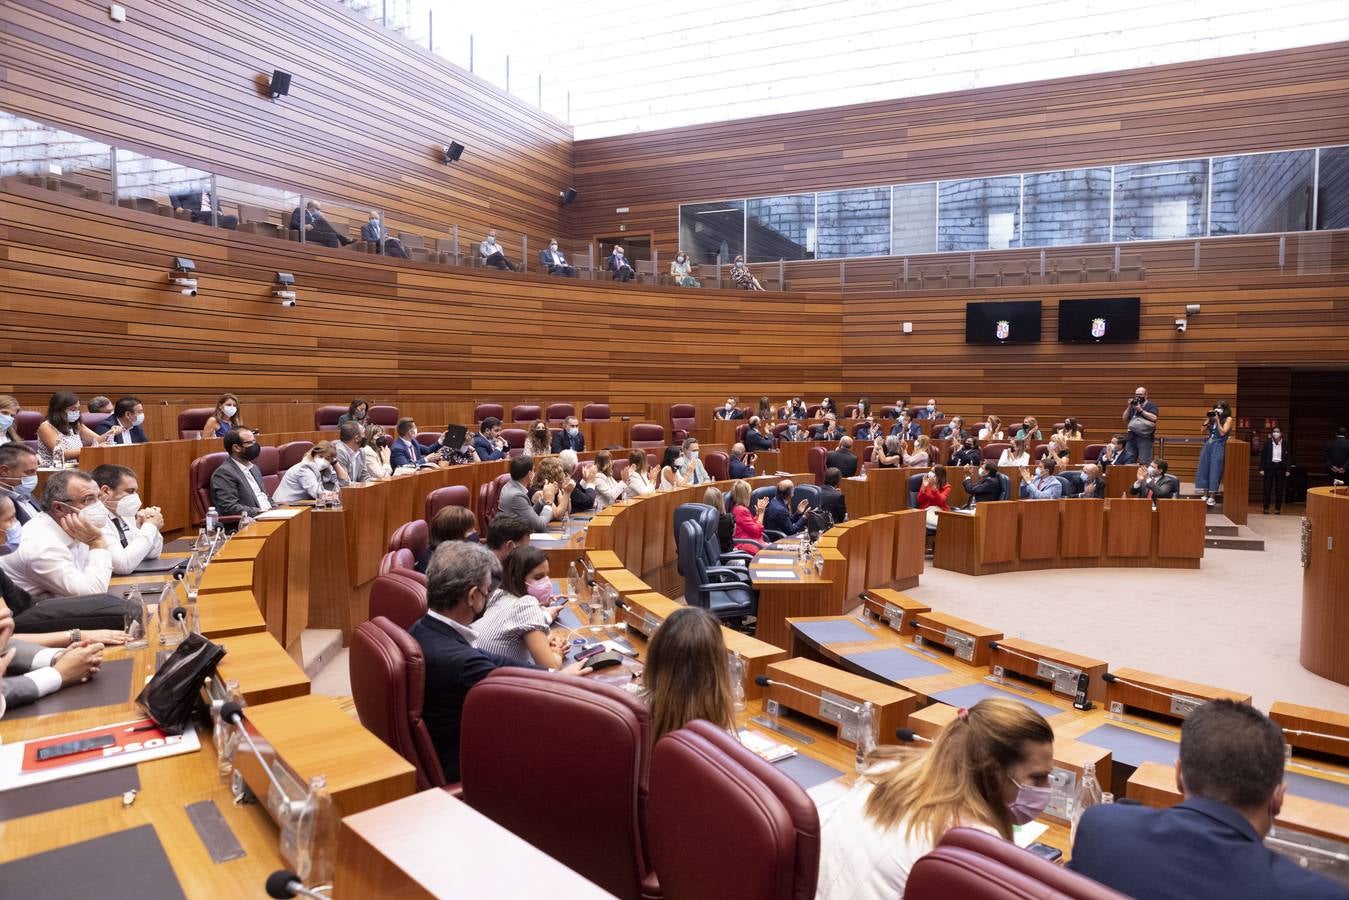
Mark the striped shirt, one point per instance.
(503, 627)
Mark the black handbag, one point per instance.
(173, 693)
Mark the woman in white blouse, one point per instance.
(638, 480)
(1015, 455)
(669, 477)
(516, 622)
(537, 442)
(608, 489)
(988, 769)
(9, 411)
(991, 430)
(375, 451)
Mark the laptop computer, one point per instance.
(454, 435)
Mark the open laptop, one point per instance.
(453, 438)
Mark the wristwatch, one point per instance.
(74, 636)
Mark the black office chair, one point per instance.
(915, 483)
(808, 492)
(769, 491)
(1072, 483)
(688, 512)
(723, 591)
(1006, 483)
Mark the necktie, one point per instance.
(121, 530)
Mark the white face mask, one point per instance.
(129, 505)
(95, 514)
(140, 419)
(12, 534)
(72, 415)
(229, 410)
(322, 465)
(730, 405)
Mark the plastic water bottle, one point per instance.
(133, 620)
(737, 663)
(59, 457)
(1088, 795)
(865, 733)
(244, 520)
(212, 520)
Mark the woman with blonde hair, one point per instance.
(225, 419)
(538, 442)
(991, 429)
(888, 452)
(608, 489)
(725, 521)
(748, 522)
(375, 451)
(681, 270)
(921, 452)
(318, 471)
(9, 411)
(688, 674)
(988, 769)
(638, 479)
(1015, 455)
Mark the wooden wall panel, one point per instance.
(365, 118)
(1283, 99)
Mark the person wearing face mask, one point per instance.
(373, 232)
(375, 452)
(554, 262)
(406, 450)
(450, 523)
(691, 468)
(311, 476)
(583, 493)
(358, 412)
(9, 413)
(827, 408)
(794, 432)
(63, 551)
(128, 414)
(619, 267)
(569, 437)
(887, 453)
(1044, 486)
(458, 586)
(349, 459)
(930, 411)
(224, 419)
(236, 485)
(518, 617)
(63, 428)
(492, 253)
(988, 769)
(1153, 482)
(828, 430)
(1276, 461)
(670, 475)
(757, 435)
(868, 430)
(1217, 429)
(133, 532)
(863, 408)
(906, 429)
(18, 480)
(728, 411)
(681, 270)
(1140, 419)
(778, 515)
(537, 442)
(1093, 482)
(968, 454)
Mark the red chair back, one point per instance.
(994, 450)
(388, 685)
(1039, 452)
(383, 416)
(394, 560)
(488, 411)
(89, 420)
(199, 479)
(489, 499)
(26, 423)
(740, 432)
(815, 458)
(190, 422)
(291, 453)
(396, 597)
(683, 417)
(721, 822)
(269, 464)
(595, 412)
(559, 411)
(414, 536)
(597, 734)
(325, 417)
(646, 434)
(718, 464)
(1092, 452)
(515, 438)
(526, 412)
(973, 865)
(454, 495)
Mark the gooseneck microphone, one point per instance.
(231, 712)
(282, 884)
(909, 736)
(765, 681)
(1111, 678)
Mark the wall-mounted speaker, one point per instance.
(280, 84)
(454, 151)
(568, 196)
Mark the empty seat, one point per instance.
(325, 417)
(414, 536)
(383, 416)
(190, 421)
(595, 412)
(646, 434)
(488, 410)
(683, 418)
(560, 411)
(269, 464)
(402, 558)
(396, 597)
(718, 464)
(199, 474)
(489, 499)
(26, 423)
(526, 412)
(453, 495)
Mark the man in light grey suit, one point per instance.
(514, 501)
(349, 454)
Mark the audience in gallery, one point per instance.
(63, 429)
(100, 405)
(358, 412)
(757, 435)
(516, 624)
(376, 452)
(450, 523)
(714, 498)
(406, 450)
(554, 262)
(236, 485)
(316, 473)
(691, 468)
(741, 464)
(515, 501)
(742, 277)
(681, 270)
(9, 414)
(127, 417)
(1231, 775)
(988, 486)
(919, 457)
(1154, 483)
(351, 464)
(618, 267)
(1044, 486)
(991, 430)
(930, 411)
(669, 476)
(225, 417)
(1016, 455)
(687, 674)
(832, 500)
(987, 769)
(887, 453)
(843, 458)
(1217, 428)
(608, 489)
(133, 533)
(458, 586)
(63, 550)
(637, 479)
(749, 524)
(779, 515)
(934, 493)
(493, 255)
(727, 411)
(488, 441)
(374, 232)
(537, 440)
(317, 229)
(569, 437)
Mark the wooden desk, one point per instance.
(264, 670)
(805, 594)
(1325, 585)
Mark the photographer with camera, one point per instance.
(1140, 418)
(1217, 425)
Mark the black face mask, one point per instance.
(251, 452)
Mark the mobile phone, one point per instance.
(1045, 852)
(592, 650)
(70, 748)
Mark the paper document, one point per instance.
(764, 747)
(775, 561)
(777, 574)
(272, 515)
(1025, 835)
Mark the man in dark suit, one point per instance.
(778, 517)
(618, 266)
(741, 465)
(828, 430)
(868, 431)
(198, 204)
(1155, 483)
(794, 432)
(317, 229)
(18, 478)
(569, 436)
(906, 428)
(987, 486)
(1093, 483)
(1276, 460)
(458, 585)
(831, 498)
(757, 436)
(1230, 772)
(729, 411)
(406, 450)
(843, 458)
(895, 411)
(236, 485)
(374, 232)
(554, 263)
(487, 442)
(130, 414)
(1337, 456)
(930, 411)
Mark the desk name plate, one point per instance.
(894, 616)
(961, 643)
(841, 710)
(1064, 678)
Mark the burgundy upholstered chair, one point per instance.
(526, 412)
(559, 411)
(994, 450)
(596, 733)
(414, 536)
(646, 434)
(388, 685)
(325, 417)
(489, 499)
(190, 422)
(488, 410)
(292, 452)
(972, 865)
(199, 474)
(683, 418)
(1092, 452)
(515, 441)
(595, 412)
(454, 495)
(721, 822)
(402, 558)
(718, 464)
(815, 459)
(27, 421)
(383, 416)
(394, 596)
(269, 464)
(740, 432)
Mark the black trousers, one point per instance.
(624, 274)
(1275, 480)
(65, 613)
(498, 260)
(564, 271)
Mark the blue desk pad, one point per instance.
(1130, 747)
(568, 619)
(833, 632)
(805, 771)
(971, 694)
(1317, 788)
(895, 664)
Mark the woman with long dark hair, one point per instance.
(1218, 428)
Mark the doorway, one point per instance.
(636, 246)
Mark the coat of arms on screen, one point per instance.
(1098, 328)
(1003, 330)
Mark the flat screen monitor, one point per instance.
(1104, 321)
(1004, 322)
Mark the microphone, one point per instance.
(909, 736)
(1111, 678)
(231, 712)
(282, 884)
(1329, 737)
(765, 681)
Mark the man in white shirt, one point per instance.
(133, 532)
(690, 466)
(236, 486)
(63, 551)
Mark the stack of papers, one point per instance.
(764, 747)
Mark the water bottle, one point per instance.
(245, 520)
(737, 663)
(574, 579)
(196, 567)
(609, 606)
(133, 620)
(865, 733)
(170, 612)
(1088, 795)
(212, 520)
(59, 457)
